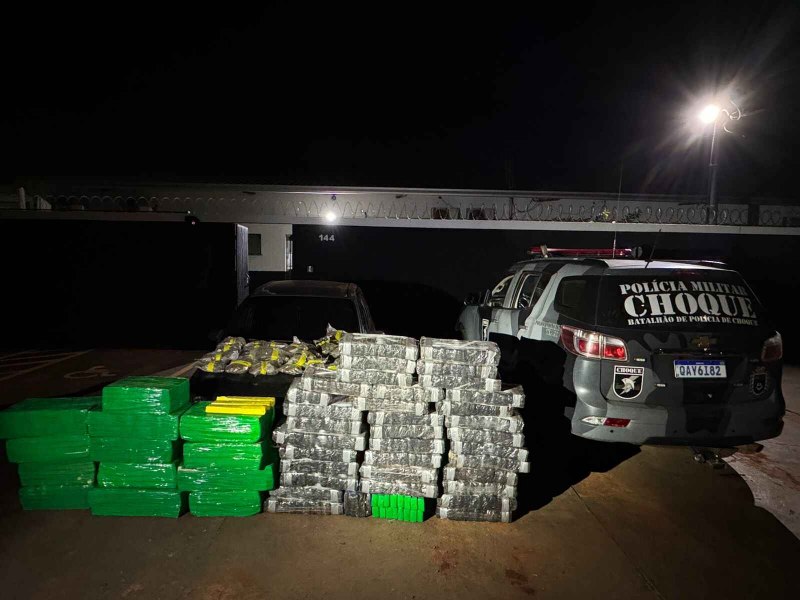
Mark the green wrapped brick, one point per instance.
(138, 475)
(48, 497)
(252, 455)
(150, 395)
(133, 425)
(54, 448)
(133, 450)
(225, 504)
(39, 417)
(224, 479)
(133, 502)
(60, 474)
(199, 426)
(399, 507)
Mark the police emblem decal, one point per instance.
(758, 381)
(628, 381)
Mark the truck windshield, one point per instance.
(284, 317)
(678, 299)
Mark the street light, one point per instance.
(713, 113)
(709, 114)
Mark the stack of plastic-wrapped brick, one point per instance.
(319, 445)
(485, 431)
(406, 436)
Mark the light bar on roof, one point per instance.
(544, 251)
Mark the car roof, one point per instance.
(307, 287)
(627, 263)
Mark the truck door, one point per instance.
(494, 301)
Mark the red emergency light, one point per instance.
(546, 252)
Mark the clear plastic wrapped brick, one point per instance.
(480, 475)
(281, 435)
(55, 497)
(513, 424)
(432, 367)
(399, 473)
(400, 418)
(396, 406)
(454, 382)
(297, 395)
(367, 344)
(316, 453)
(367, 377)
(414, 393)
(417, 489)
(322, 380)
(377, 363)
(489, 449)
(291, 479)
(343, 411)
(466, 488)
(323, 467)
(418, 446)
(476, 504)
(417, 432)
(303, 506)
(463, 409)
(315, 493)
(357, 504)
(512, 397)
(411, 459)
(489, 462)
(459, 351)
(458, 434)
(454, 514)
(323, 425)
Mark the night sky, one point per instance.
(557, 100)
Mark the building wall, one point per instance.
(273, 247)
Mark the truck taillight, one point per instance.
(592, 344)
(772, 349)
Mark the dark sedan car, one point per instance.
(282, 310)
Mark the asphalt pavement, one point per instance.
(598, 521)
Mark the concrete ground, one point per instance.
(599, 521)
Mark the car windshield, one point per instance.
(678, 299)
(284, 317)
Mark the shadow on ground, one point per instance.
(559, 459)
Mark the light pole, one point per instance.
(714, 114)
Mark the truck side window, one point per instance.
(576, 298)
(526, 291)
(498, 292)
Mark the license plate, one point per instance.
(700, 369)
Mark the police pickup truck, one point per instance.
(637, 351)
